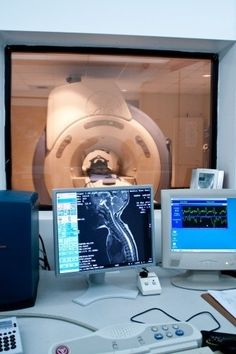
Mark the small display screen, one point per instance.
(5, 324)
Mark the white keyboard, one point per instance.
(134, 338)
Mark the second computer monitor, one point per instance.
(198, 235)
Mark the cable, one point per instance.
(132, 319)
(208, 313)
(45, 257)
(151, 309)
(51, 317)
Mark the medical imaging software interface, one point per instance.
(101, 229)
(205, 224)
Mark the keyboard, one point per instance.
(134, 338)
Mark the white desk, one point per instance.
(55, 298)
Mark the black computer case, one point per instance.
(19, 249)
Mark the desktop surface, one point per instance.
(55, 300)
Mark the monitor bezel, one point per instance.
(105, 269)
(195, 260)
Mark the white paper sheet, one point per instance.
(227, 299)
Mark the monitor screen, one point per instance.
(102, 229)
(199, 234)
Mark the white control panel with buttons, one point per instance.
(149, 284)
(10, 340)
(133, 338)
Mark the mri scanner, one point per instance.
(94, 138)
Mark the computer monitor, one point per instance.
(103, 229)
(199, 236)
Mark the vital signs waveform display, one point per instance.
(204, 216)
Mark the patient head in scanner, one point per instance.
(102, 168)
(94, 137)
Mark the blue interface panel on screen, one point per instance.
(199, 236)
(103, 229)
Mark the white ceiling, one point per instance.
(34, 75)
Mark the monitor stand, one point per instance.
(98, 289)
(204, 280)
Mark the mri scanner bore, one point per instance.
(93, 137)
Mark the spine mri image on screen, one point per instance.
(120, 244)
(114, 237)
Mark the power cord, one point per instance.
(132, 319)
(51, 317)
(207, 313)
(44, 257)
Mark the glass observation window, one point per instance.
(93, 117)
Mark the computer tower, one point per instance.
(19, 249)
